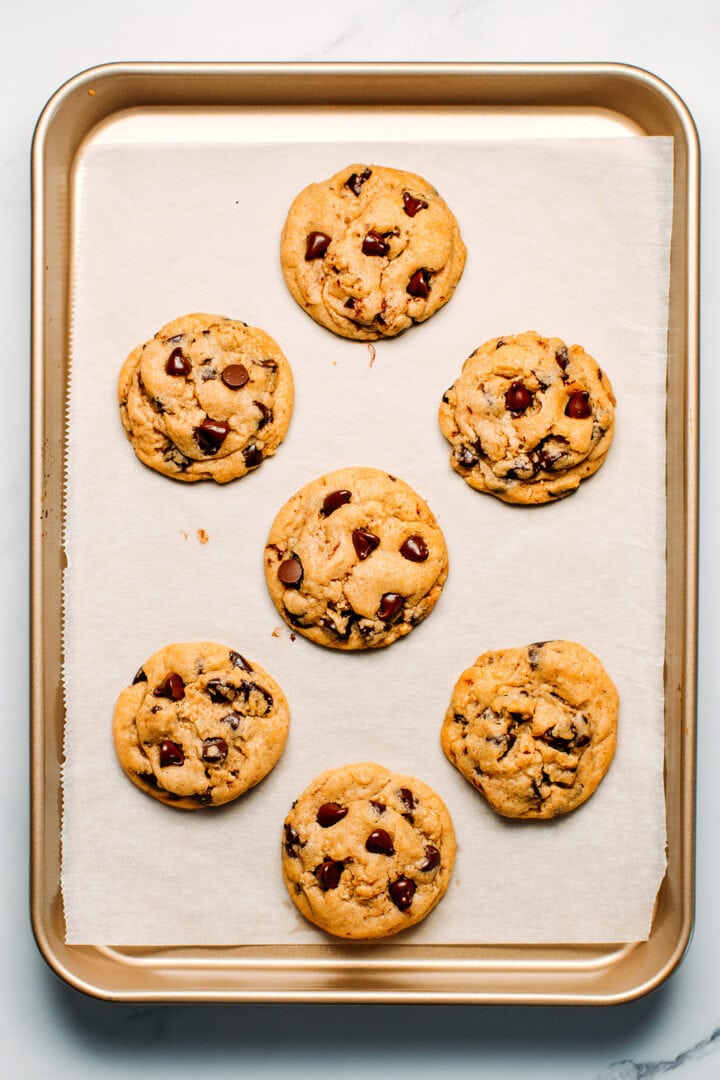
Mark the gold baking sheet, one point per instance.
(505, 102)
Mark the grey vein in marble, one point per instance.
(642, 1070)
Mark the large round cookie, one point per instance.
(355, 559)
(367, 852)
(533, 728)
(371, 251)
(528, 418)
(208, 398)
(199, 725)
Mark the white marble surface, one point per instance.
(48, 1030)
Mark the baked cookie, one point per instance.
(371, 251)
(199, 725)
(528, 418)
(355, 559)
(534, 728)
(208, 398)
(367, 852)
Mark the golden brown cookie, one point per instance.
(528, 418)
(355, 559)
(208, 398)
(199, 725)
(371, 251)
(367, 852)
(533, 728)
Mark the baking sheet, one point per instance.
(569, 238)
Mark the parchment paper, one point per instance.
(566, 237)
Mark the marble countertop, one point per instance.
(50, 1030)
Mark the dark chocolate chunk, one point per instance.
(239, 661)
(316, 245)
(234, 376)
(465, 458)
(328, 874)
(221, 692)
(171, 687)
(378, 807)
(402, 892)
(419, 284)
(290, 572)
(411, 204)
(266, 414)
(232, 720)
(407, 798)
(210, 435)
(562, 358)
(518, 398)
(334, 501)
(364, 543)
(214, 750)
(177, 364)
(330, 813)
(156, 709)
(140, 676)
(292, 841)
(415, 549)
(355, 181)
(253, 456)
(380, 843)
(170, 754)
(578, 406)
(375, 243)
(431, 860)
(391, 607)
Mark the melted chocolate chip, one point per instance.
(407, 798)
(177, 364)
(171, 687)
(234, 376)
(140, 676)
(415, 549)
(378, 807)
(290, 572)
(316, 245)
(239, 661)
(214, 750)
(329, 814)
(292, 841)
(355, 181)
(210, 435)
(562, 358)
(350, 302)
(364, 543)
(253, 456)
(380, 843)
(411, 204)
(221, 692)
(375, 243)
(465, 458)
(328, 874)
(170, 754)
(518, 398)
(402, 892)
(232, 720)
(334, 501)
(419, 284)
(431, 860)
(391, 607)
(266, 414)
(578, 406)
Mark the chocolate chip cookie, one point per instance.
(208, 398)
(199, 725)
(371, 251)
(355, 559)
(367, 852)
(528, 418)
(533, 728)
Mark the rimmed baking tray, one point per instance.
(583, 99)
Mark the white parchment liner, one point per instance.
(566, 237)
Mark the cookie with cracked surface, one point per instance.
(199, 725)
(528, 418)
(371, 251)
(208, 398)
(355, 559)
(367, 852)
(533, 728)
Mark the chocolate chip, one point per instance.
(380, 843)
(415, 549)
(210, 435)
(290, 572)
(407, 798)
(140, 676)
(316, 245)
(292, 840)
(334, 501)
(329, 814)
(419, 284)
(465, 458)
(561, 355)
(177, 364)
(175, 338)
(431, 860)
(214, 750)
(411, 204)
(239, 661)
(171, 687)
(221, 692)
(391, 606)
(328, 874)
(364, 543)
(266, 414)
(170, 754)
(578, 406)
(234, 376)
(232, 720)
(518, 398)
(402, 892)
(156, 709)
(355, 181)
(378, 807)
(582, 740)
(375, 243)
(350, 302)
(253, 456)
